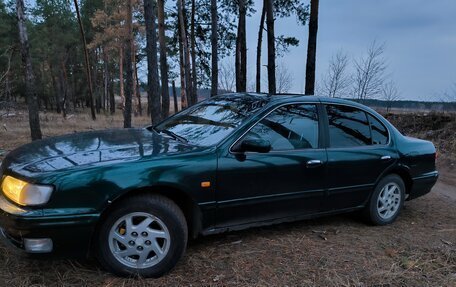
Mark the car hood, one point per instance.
(89, 149)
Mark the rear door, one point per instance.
(287, 181)
(359, 151)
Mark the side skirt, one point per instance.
(218, 230)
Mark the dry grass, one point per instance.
(14, 129)
(440, 128)
(418, 250)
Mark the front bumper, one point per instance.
(423, 184)
(70, 234)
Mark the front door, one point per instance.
(287, 181)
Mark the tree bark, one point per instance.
(163, 59)
(241, 51)
(129, 67)
(56, 85)
(106, 80)
(134, 86)
(186, 52)
(63, 86)
(86, 59)
(214, 48)
(32, 97)
(193, 51)
(153, 84)
(183, 90)
(271, 46)
(176, 109)
(96, 88)
(258, 55)
(312, 48)
(112, 101)
(137, 89)
(121, 76)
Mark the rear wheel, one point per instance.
(386, 201)
(142, 236)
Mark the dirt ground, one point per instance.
(419, 249)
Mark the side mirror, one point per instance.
(255, 145)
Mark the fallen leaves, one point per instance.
(446, 242)
(323, 233)
(391, 252)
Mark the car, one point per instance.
(133, 197)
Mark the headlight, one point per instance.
(24, 193)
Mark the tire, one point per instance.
(386, 201)
(142, 236)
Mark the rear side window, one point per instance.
(348, 127)
(289, 127)
(379, 131)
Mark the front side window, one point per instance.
(289, 127)
(348, 127)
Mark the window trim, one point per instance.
(325, 113)
(321, 132)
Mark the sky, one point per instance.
(419, 37)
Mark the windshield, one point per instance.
(211, 121)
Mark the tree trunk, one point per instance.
(121, 76)
(106, 80)
(56, 85)
(112, 101)
(163, 59)
(259, 44)
(86, 58)
(138, 90)
(193, 48)
(214, 48)
(312, 48)
(32, 97)
(176, 109)
(271, 46)
(96, 87)
(186, 53)
(135, 74)
(153, 85)
(241, 50)
(63, 85)
(74, 98)
(129, 67)
(183, 90)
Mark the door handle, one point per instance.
(314, 163)
(385, 157)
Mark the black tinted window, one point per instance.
(379, 131)
(289, 127)
(348, 127)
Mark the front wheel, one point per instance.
(142, 236)
(386, 201)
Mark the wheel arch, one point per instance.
(182, 199)
(404, 174)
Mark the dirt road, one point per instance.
(445, 190)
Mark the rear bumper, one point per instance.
(423, 184)
(70, 235)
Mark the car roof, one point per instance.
(289, 98)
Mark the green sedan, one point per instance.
(133, 197)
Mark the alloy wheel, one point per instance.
(139, 240)
(389, 201)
